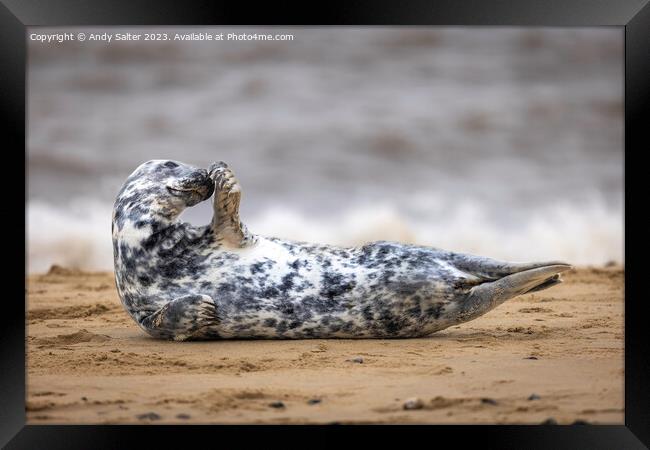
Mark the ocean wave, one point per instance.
(590, 233)
(77, 236)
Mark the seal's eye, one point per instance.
(170, 164)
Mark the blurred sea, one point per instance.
(503, 142)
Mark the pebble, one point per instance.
(276, 405)
(314, 401)
(358, 360)
(413, 403)
(182, 416)
(531, 357)
(149, 415)
(534, 397)
(489, 401)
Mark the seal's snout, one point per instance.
(198, 182)
(202, 178)
(198, 177)
(205, 183)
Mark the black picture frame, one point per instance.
(632, 15)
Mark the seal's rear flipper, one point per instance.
(489, 269)
(547, 284)
(486, 296)
(183, 318)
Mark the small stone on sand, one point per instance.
(413, 403)
(149, 416)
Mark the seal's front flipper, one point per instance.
(486, 296)
(227, 196)
(183, 318)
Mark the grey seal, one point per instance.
(220, 281)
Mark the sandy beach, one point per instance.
(555, 356)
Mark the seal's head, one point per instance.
(161, 190)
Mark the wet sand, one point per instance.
(556, 354)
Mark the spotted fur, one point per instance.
(178, 281)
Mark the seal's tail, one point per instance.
(487, 295)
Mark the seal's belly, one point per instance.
(288, 289)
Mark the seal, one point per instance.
(220, 281)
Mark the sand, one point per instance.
(554, 355)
